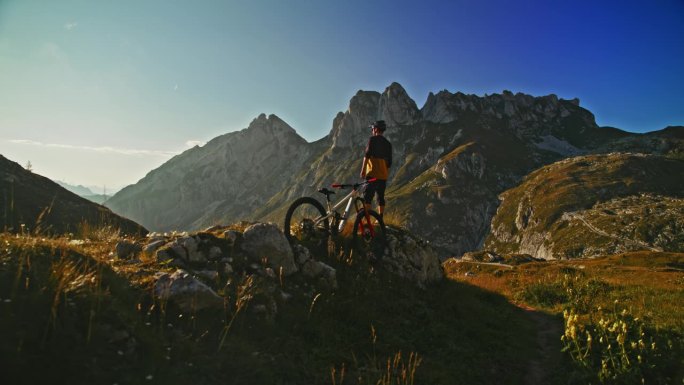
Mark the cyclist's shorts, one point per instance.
(375, 187)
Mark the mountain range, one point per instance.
(452, 159)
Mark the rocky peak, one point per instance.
(397, 108)
(445, 107)
(271, 125)
(351, 128)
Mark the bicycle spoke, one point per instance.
(303, 219)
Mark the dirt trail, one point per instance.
(547, 357)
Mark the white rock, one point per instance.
(185, 291)
(265, 240)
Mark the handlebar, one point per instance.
(353, 185)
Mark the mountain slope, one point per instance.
(593, 205)
(40, 204)
(227, 178)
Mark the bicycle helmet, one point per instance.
(380, 125)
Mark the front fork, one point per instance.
(343, 220)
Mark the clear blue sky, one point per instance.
(101, 92)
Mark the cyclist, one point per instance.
(377, 161)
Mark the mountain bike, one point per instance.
(307, 218)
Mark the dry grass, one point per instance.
(400, 372)
(394, 218)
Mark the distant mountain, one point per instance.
(42, 205)
(593, 205)
(452, 158)
(86, 192)
(225, 180)
(78, 190)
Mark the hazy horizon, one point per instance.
(101, 94)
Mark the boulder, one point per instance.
(191, 246)
(153, 246)
(265, 241)
(126, 249)
(411, 258)
(188, 293)
(325, 274)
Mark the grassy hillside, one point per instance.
(35, 204)
(593, 205)
(83, 316)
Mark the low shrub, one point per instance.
(618, 349)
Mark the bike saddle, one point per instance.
(326, 191)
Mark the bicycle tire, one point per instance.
(373, 245)
(300, 211)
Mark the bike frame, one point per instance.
(350, 199)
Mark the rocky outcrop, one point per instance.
(412, 259)
(465, 160)
(249, 263)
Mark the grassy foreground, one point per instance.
(622, 315)
(72, 313)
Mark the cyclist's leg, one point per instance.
(368, 196)
(380, 189)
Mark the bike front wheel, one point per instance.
(304, 219)
(369, 235)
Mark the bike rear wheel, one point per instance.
(301, 218)
(369, 235)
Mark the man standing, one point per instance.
(376, 164)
